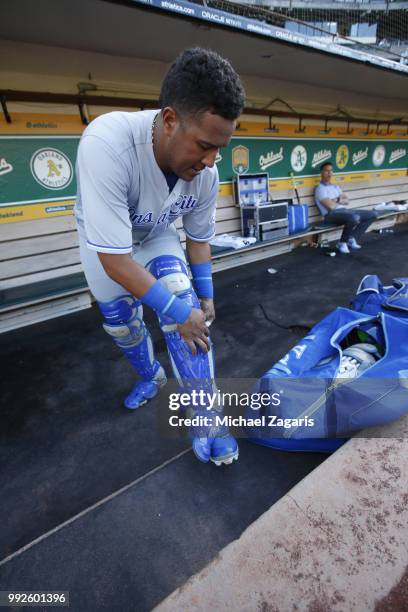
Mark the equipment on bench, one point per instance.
(260, 216)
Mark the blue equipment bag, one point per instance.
(298, 217)
(372, 297)
(309, 389)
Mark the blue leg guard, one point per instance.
(193, 372)
(124, 322)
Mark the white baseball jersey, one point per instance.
(123, 197)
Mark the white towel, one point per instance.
(391, 207)
(235, 242)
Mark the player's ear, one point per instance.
(170, 120)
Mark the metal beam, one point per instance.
(376, 5)
(10, 95)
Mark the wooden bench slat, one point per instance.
(383, 196)
(38, 263)
(40, 244)
(375, 182)
(371, 201)
(38, 227)
(49, 309)
(222, 227)
(40, 276)
(226, 226)
(378, 191)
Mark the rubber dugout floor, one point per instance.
(67, 443)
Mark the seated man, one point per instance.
(332, 204)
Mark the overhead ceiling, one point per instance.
(132, 31)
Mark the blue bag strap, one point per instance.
(399, 299)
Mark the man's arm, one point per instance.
(200, 253)
(329, 203)
(126, 272)
(138, 281)
(341, 198)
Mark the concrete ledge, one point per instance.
(338, 541)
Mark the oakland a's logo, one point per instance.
(342, 156)
(51, 168)
(240, 159)
(379, 155)
(298, 158)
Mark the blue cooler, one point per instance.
(298, 217)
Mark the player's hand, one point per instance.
(195, 332)
(207, 306)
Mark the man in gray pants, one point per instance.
(332, 203)
(137, 173)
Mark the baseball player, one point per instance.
(138, 172)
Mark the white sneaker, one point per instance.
(343, 248)
(353, 244)
(356, 359)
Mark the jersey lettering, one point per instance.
(182, 205)
(140, 219)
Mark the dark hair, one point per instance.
(201, 80)
(322, 167)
